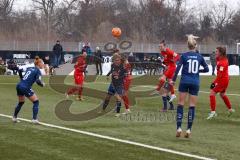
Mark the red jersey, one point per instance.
(222, 70)
(80, 66)
(169, 58)
(128, 77)
(128, 68)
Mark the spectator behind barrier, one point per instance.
(98, 60)
(12, 65)
(57, 54)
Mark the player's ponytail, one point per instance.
(192, 43)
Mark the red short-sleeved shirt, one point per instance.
(222, 70)
(80, 65)
(169, 58)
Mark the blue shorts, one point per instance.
(112, 90)
(192, 89)
(23, 91)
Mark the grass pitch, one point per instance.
(218, 138)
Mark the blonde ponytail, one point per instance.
(192, 43)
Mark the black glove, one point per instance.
(212, 86)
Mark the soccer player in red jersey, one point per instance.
(170, 59)
(221, 82)
(127, 82)
(79, 70)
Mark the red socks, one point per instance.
(213, 103)
(80, 89)
(126, 101)
(226, 101)
(74, 90)
(171, 89)
(160, 84)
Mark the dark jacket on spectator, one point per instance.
(57, 49)
(98, 56)
(88, 50)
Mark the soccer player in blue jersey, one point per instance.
(24, 89)
(116, 86)
(189, 83)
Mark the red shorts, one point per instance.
(221, 87)
(79, 78)
(169, 73)
(127, 83)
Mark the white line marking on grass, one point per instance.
(115, 139)
(141, 86)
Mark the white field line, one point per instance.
(142, 86)
(115, 139)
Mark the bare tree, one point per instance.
(221, 15)
(47, 6)
(6, 8)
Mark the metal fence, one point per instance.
(77, 46)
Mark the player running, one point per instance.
(170, 59)
(24, 89)
(79, 70)
(116, 86)
(221, 82)
(189, 83)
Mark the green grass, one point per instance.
(218, 138)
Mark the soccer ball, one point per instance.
(116, 32)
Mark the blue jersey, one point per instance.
(32, 75)
(191, 62)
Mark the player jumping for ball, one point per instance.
(189, 83)
(127, 82)
(24, 89)
(221, 82)
(170, 59)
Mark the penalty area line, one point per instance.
(115, 139)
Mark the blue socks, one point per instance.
(191, 115)
(179, 116)
(17, 109)
(35, 109)
(118, 106)
(164, 102)
(105, 104)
